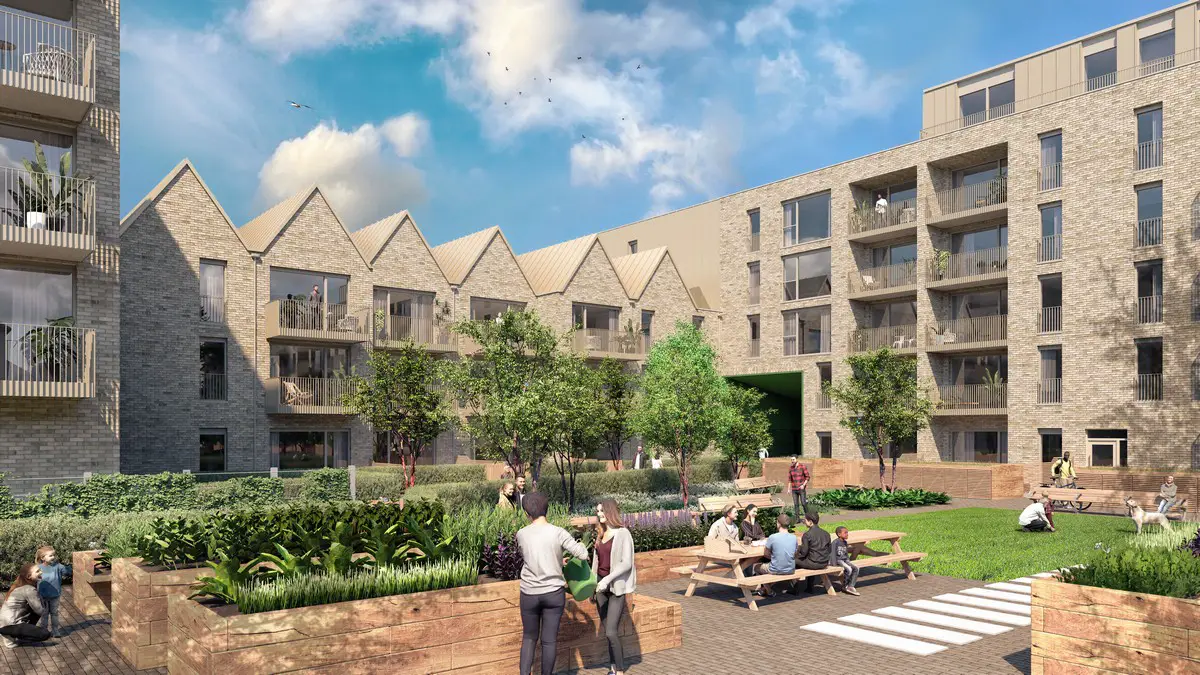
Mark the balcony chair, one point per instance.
(347, 324)
(293, 395)
(868, 282)
(52, 62)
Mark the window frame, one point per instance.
(214, 431)
(792, 225)
(793, 285)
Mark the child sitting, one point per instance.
(840, 556)
(50, 587)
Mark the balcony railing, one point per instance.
(1050, 320)
(1150, 154)
(45, 216)
(1150, 387)
(989, 114)
(308, 395)
(1050, 390)
(867, 218)
(42, 361)
(391, 331)
(1149, 232)
(881, 278)
(1150, 309)
(1073, 89)
(969, 264)
(965, 198)
(212, 386)
(754, 242)
(970, 331)
(1050, 248)
(1050, 176)
(48, 59)
(212, 308)
(317, 321)
(605, 342)
(753, 350)
(892, 337)
(973, 396)
(823, 401)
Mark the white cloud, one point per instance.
(773, 19)
(352, 168)
(408, 134)
(279, 26)
(781, 75)
(858, 91)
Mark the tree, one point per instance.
(577, 416)
(402, 398)
(882, 402)
(617, 386)
(505, 388)
(746, 428)
(674, 409)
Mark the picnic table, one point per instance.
(732, 564)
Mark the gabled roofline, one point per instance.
(287, 222)
(660, 251)
(511, 254)
(160, 189)
(403, 216)
(687, 291)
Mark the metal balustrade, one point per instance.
(1050, 248)
(753, 350)
(968, 264)
(1150, 309)
(893, 337)
(1149, 232)
(1150, 154)
(1050, 390)
(1050, 320)
(973, 396)
(317, 321)
(212, 386)
(392, 330)
(866, 218)
(1156, 66)
(823, 401)
(968, 331)
(212, 308)
(43, 215)
(1150, 387)
(41, 360)
(754, 241)
(993, 192)
(881, 278)
(46, 56)
(1050, 176)
(604, 341)
(308, 395)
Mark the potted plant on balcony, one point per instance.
(862, 215)
(628, 338)
(44, 200)
(941, 262)
(993, 384)
(51, 348)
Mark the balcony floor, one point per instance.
(17, 389)
(895, 292)
(44, 96)
(901, 231)
(971, 281)
(973, 346)
(45, 244)
(968, 216)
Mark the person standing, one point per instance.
(656, 462)
(881, 208)
(613, 561)
(543, 586)
(22, 608)
(1166, 494)
(798, 477)
(839, 556)
(50, 587)
(751, 530)
(762, 454)
(508, 499)
(638, 458)
(814, 550)
(519, 499)
(1062, 470)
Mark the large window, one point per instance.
(212, 370)
(647, 327)
(303, 361)
(825, 441)
(982, 173)
(310, 449)
(1157, 50)
(1051, 444)
(806, 275)
(806, 331)
(31, 296)
(895, 254)
(979, 446)
(978, 369)
(979, 240)
(979, 303)
(595, 318)
(754, 230)
(1150, 291)
(484, 309)
(806, 219)
(405, 314)
(1101, 68)
(1149, 369)
(212, 450)
(16, 144)
(212, 291)
(298, 285)
(753, 323)
(1050, 247)
(1149, 215)
(899, 313)
(1149, 138)
(994, 101)
(1051, 308)
(1050, 166)
(754, 281)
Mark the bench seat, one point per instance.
(757, 483)
(760, 579)
(1113, 499)
(863, 561)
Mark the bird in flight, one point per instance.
(578, 58)
(549, 79)
(518, 93)
(506, 69)
(489, 53)
(639, 67)
(549, 101)
(583, 135)
(298, 106)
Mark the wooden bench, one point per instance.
(1081, 499)
(756, 484)
(718, 504)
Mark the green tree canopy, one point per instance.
(746, 428)
(576, 414)
(882, 402)
(618, 385)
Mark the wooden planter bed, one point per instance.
(655, 566)
(1084, 629)
(91, 593)
(139, 608)
(474, 629)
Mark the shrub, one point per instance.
(113, 493)
(502, 559)
(875, 498)
(387, 485)
(660, 530)
(307, 590)
(1170, 572)
(428, 474)
(325, 485)
(240, 492)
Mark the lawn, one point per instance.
(987, 544)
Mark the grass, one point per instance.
(987, 544)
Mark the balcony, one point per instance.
(968, 203)
(307, 395)
(1149, 387)
(1050, 320)
(901, 338)
(1150, 309)
(972, 334)
(319, 321)
(1050, 248)
(393, 331)
(212, 308)
(950, 271)
(1050, 391)
(212, 387)
(1050, 177)
(972, 399)
(866, 225)
(1156, 66)
(1149, 155)
(45, 217)
(1149, 232)
(46, 68)
(42, 361)
(618, 344)
(880, 283)
(823, 401)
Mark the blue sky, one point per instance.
(650, 106)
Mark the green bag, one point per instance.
(581, 579)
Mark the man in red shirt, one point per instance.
(798, 482)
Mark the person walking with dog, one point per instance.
(1166, 494)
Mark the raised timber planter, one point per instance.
(654, 566)
(91, 593)
(965, 481)
(139, 608)
(1084, 629)
(476, 629)
(825, 473)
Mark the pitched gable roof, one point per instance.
(551, 269)
(160, 189)
(259, 234)
(457, 256)
(637, 269)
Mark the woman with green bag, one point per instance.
(543, 585)
(613, 561)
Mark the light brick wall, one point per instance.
(495, 276)
(668, 298)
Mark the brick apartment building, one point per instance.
(59, 245)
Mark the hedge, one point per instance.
(109, 493)
(248, 491)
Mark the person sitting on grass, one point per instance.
(725, 525)
(751, 530)
(1035, 518)
(781, 548)
(813, 553)
(839, 556)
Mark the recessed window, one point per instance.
(633, 246)
(754, 230)
(1050, 165)
(212, 291)
(754, 325)
(1050, 246)
(806, 331)
(754, 281)
(979, 446)
(310, 449)
(1101, 69)
(806, 219)
(484, 309)
(1051, 444)
(825, 440)
(1157, 50)
(1149, 369)
(806, 275)
(212, 370)
(212, 450)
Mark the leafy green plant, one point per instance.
(285, 564)
(875, 498)
(1171, 572)
(388, 546)
(52, 349)
(175, 543)
(56, 195)
(240, 492)
(326, 485)
(228, 575)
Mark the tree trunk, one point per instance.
(614, 454)
(571, 495)
(894, 459)
(879, 445)
(683, 475)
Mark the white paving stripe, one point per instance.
(943, 620)
(877, 639)
(910, 629)
(986, 604)
(1023, 580)
(1044, 575)
(1011, 588)
(970, 612)
(1017, 598)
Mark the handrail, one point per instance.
(968, 330)
(47, 50)
(903, 336)
(973, 396)
(964, 198)
(886, 276)
(1150, 309)
(1149, 154)
(1050, 248)
(1049, 176)
(212, 386)
(609, 341)
(867, 218)
(302, 315)
(313, 391)
(41, 353)
(212, 308)
(1150, 387)
(1050, 390)
(1051, 320)
(1149, 232)
(422, 331)
(968, 264)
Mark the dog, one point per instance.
(1141, 517)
